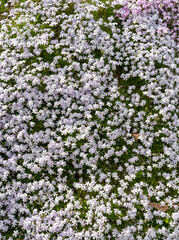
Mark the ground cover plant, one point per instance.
(89, 119)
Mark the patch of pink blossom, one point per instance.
(168, 11)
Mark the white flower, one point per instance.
(175, 216)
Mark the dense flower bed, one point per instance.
(89, 119)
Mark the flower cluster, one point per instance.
(89, 120)
(167, 11)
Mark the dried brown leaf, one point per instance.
(136, 135)
(158, 206)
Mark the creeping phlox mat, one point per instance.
(89, 119)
